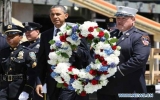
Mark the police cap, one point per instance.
(111, 22)
(29, 26)
(125, 11)
(13, 29)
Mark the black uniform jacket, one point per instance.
(80, 59)
(34, 45)
(3, 42)
(17, 61)
(130, 75)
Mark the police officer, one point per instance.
(3, 42)
(135, 48)
(32, 35)
(111, 25)
(17, 66)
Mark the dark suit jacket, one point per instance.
(133, 58)
(80, 59)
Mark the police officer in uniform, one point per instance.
(135, 48)
(32, 35)
(17, 66)
(3, 42)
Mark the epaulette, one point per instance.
(140, 32)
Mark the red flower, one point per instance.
(114, 47)
(93, 72)
(83, 93)
(70, 68)
(101, 59)
(96, 27)
(94, 82)
(105, 73)
(75, 77)
(96, 56)
(52, 50)
(91, 29)
(101, 34)
(63, 37)
(90, 36)
(51, 70)
(65, 84)
(99, 72)
(104, 63)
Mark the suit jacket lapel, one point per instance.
(126, 35)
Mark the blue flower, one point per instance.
(74, 28)
(112, 65)
(53, 67)
(70, 87)
(74, 37)
(88, 68)
(53, 74)
(103, 68)
(58, 43)
(71, 81)
(102, 39)
(108, 51)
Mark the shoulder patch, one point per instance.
(145, 40)
(32, 55)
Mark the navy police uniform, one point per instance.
(35, 44)
(17, 68)
(130, 76)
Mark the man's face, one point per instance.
(58, 16)
(125, 23)
(32, 35)
(13, 39)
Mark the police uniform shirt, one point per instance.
(18, 61)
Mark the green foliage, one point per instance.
(64, 55)
(51, 42)
(59, 85)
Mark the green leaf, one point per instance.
(106, 35)
(98, 29)
(97, 61)
(64, 55)
(58, 53)
(89, 41)
(113, 40)
(59, 85)
(51, 42)
(68, 27)
(73, 47)
(96, 40)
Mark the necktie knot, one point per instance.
(57, 30)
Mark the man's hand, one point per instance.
(39, 90)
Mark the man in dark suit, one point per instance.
(135, 48)
(58, 15)
(3, 42)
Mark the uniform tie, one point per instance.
(57, 30)
(119, 34)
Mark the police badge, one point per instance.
(20, 55)
(32, 55)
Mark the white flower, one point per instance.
(117, 53)
(58, 79)
(104, 82)
(77, 85)
(111, 71)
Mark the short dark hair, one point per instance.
(59, 6)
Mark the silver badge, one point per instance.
(32, 55)
(26, 23)
(123, 38)
(20, 55)
(37, 46)
(127, 33)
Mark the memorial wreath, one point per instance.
(94, 76)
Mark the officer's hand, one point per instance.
(39, 90)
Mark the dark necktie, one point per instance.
(119, 35)
(57, 30)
